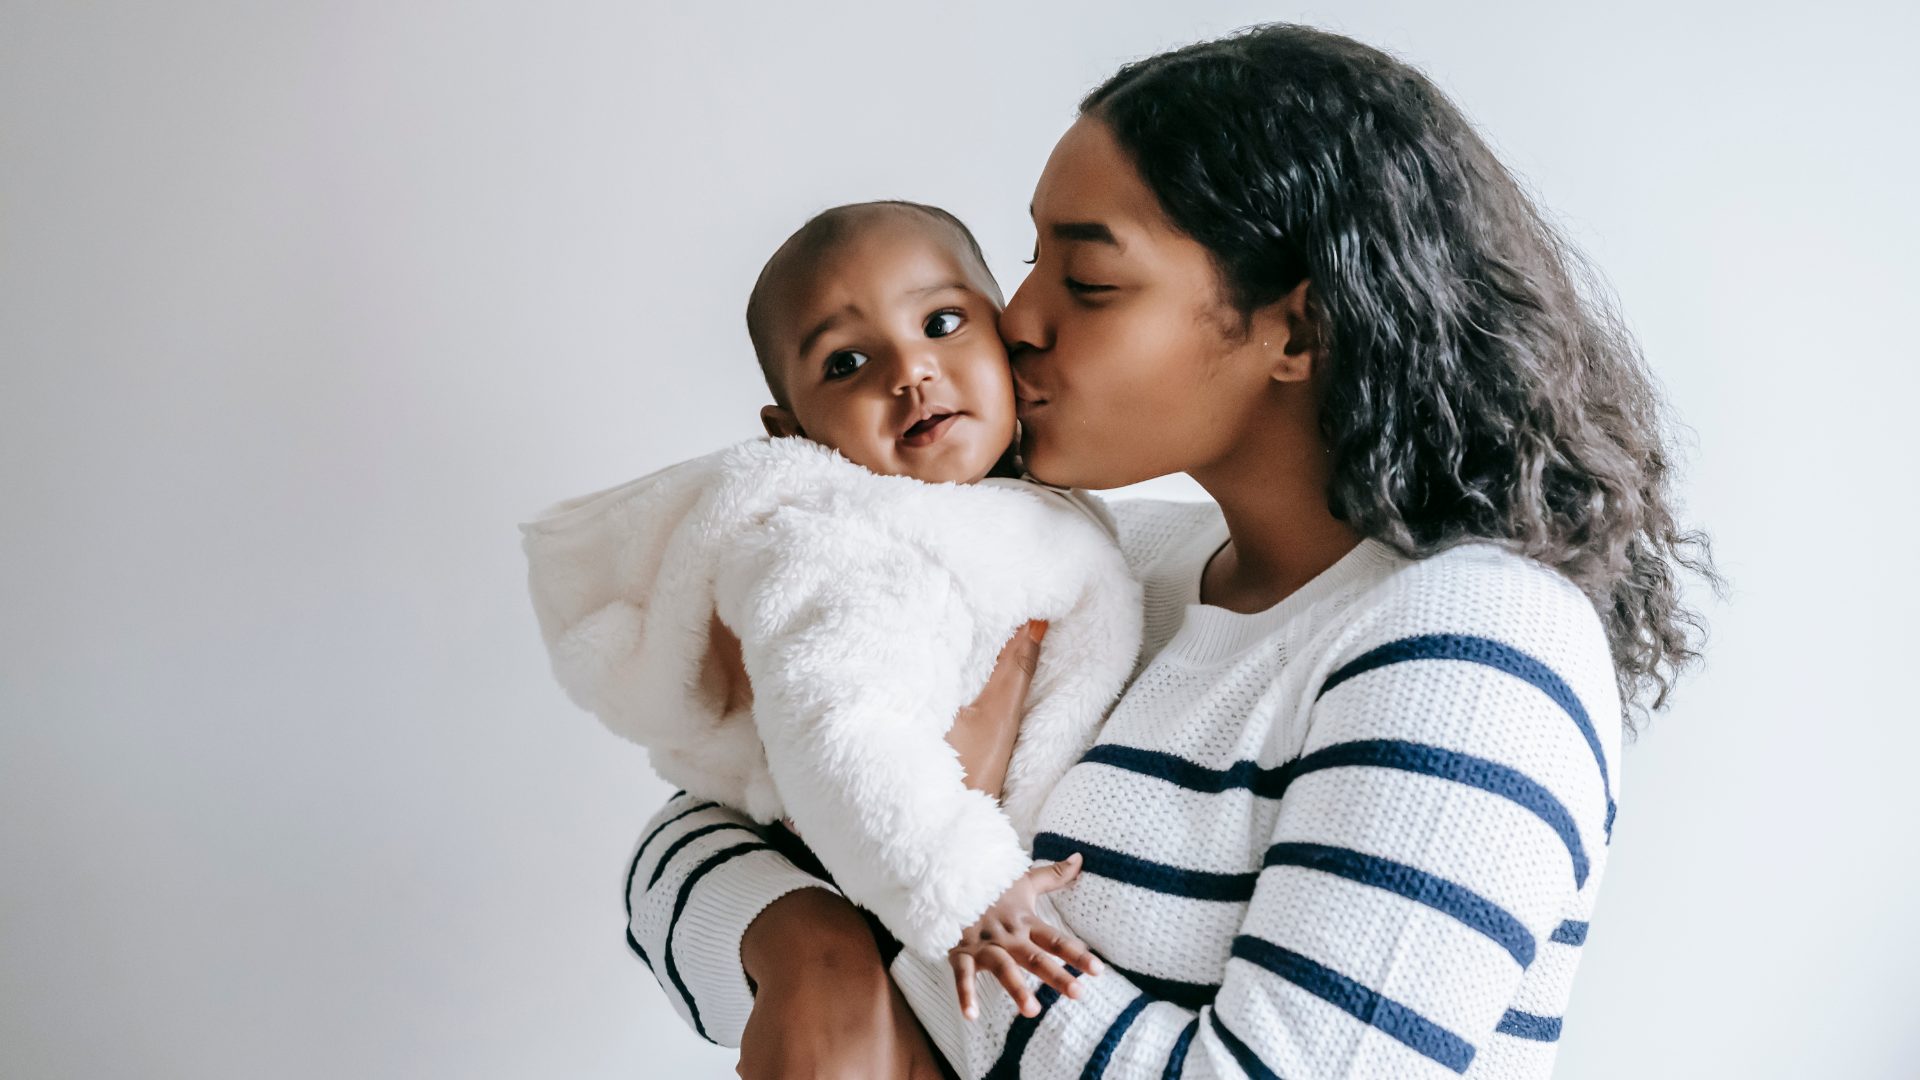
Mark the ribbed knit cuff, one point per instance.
(707, 938)
(928, 987)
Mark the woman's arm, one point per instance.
(825, 1005)
(715, 910)
(700, 877)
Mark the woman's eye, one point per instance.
(844, 363)
(1081, 288)
(942, 323)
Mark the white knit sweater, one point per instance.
(1356, 835)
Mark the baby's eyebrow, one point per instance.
(929, 290)
(826, 324)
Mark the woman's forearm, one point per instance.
(804, 932)
(823, 1002)
(700, 876)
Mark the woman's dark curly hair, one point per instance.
(1480, 384)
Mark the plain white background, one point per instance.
(304, 305)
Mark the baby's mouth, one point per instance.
(925, 431)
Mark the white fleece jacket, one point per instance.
(869, 610)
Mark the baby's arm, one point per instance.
(1012, 937)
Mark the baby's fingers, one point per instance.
(1046, 879)
(1006, 970)
(1066, 947)
(1047, 968)
(963, 971)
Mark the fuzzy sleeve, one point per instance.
(854, 641)
(701, 875)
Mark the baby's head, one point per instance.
(876, 327)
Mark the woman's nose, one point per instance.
(1022, 324)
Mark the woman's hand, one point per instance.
(824, 1006)
(1011, 938)
(984, 732)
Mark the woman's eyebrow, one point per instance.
(1092, 231)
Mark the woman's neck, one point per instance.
(1281, 535)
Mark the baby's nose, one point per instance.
(917, 366)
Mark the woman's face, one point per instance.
(1128, 363)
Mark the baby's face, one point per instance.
(891, 355)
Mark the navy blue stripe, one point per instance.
(1368, 1006)
(680, 904)
(1187, 995)
(1250, 1062)
(674, 849)
(1177, 1057)
(1489, 776)
(1266, 783)
(1019, 1033)
(633, 942)
(1500, 657)
(1570, 933)
(1097, 1064)
(1528, 1026)
(1159, 877)
(657, 831)
(1441, 895)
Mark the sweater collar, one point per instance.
(1209, 634)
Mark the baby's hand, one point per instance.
(1010, 937)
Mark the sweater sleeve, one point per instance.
(700, 876)
(1449, 808)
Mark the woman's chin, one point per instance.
(1059, 470)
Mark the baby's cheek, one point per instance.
(857, 439)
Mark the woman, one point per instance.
(1350, 817)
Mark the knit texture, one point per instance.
(1356, 835)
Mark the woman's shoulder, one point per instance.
(1148, 529)
(1484, 603)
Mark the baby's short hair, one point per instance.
(803, 252)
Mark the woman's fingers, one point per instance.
(984, 732)
(963, 970)
(1027, 646)
(1068, 948)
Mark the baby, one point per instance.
(863, 567)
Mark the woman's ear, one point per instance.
(779, 422)
(1290, 334)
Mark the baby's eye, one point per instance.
(844, 363)
(942, 323)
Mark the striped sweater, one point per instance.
(1358, 834)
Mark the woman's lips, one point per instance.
(928, 431)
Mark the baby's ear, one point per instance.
(779, 422)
